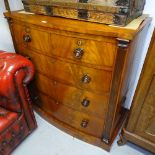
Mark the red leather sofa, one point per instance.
(16, 116)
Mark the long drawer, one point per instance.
(77, 99)
(81, 121)
(79, 76)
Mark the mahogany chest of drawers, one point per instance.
(82, 72)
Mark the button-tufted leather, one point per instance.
(6, 118)
(16, 116)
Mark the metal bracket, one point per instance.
(106, 141)
(49, 10)
(123, 43)
(82, 14)
(83, 1)
(122, 3)
(124, 10)
(120, 19)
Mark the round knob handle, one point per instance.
(27, 38)
(86, 79)
(78, 53)
(84, 123)
(85, 102)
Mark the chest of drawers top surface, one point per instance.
(82, 71)
(127, 32)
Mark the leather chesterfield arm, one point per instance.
(15, 104)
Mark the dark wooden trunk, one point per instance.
(118, 12)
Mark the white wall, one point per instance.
(5, 36)
(6, 41)
(140, 56)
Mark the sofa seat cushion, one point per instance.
(6, 118)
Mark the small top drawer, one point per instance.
(100, 53)
(31, 37)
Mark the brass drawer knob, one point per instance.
(27, 38)
(85, 102)
(78, 53)
(86, 78)
(84, 123)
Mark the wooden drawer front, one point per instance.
(45, 85)
(76, 119)
(75, 98)
(98, 80)
(51, 67)
(94, 52)
(33, 38)
(19, 32)
(92, 79)
(39, 40)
